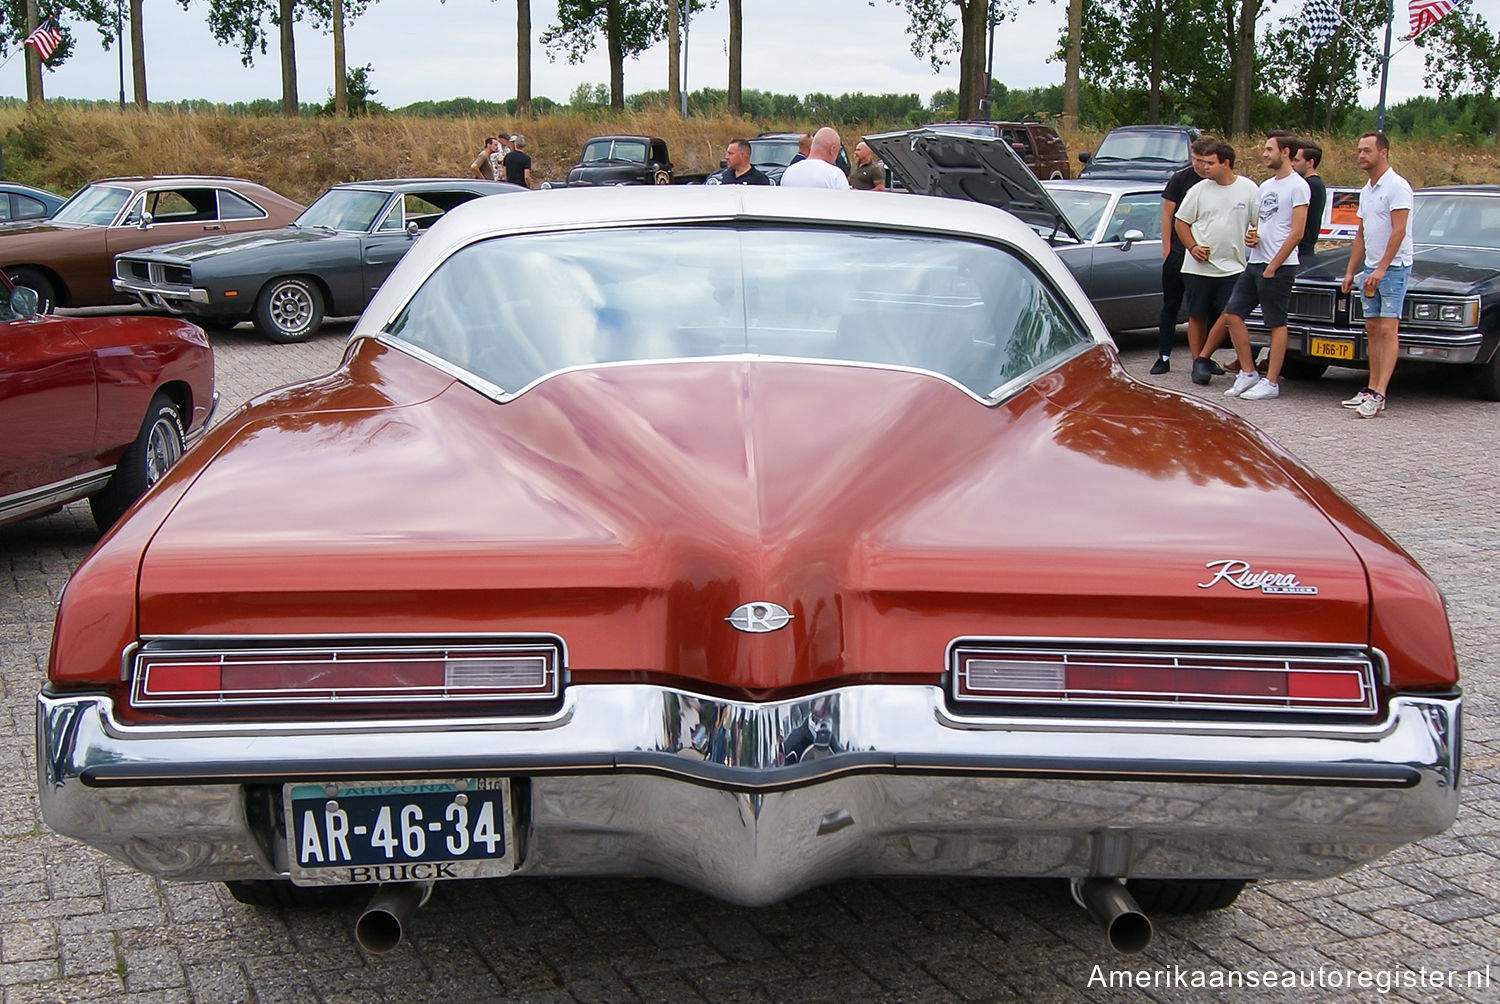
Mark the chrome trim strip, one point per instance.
(39, 500)
(884, 781)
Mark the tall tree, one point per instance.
(340, 86)
(523, 58)
(674, 56)
(629, 28)
(736, 65)
(19, 18)
(138, 54)
(939, 27)
(1321, 83)
(1461, 56)
(1071, 60)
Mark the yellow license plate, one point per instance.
(1330, 349)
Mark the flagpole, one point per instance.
(1385, 68)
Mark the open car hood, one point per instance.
(978, 168)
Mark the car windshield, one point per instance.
(96, 204)
(955, 129)
(772, 152)
(1456, 220)
(1165, 146)
(513, 310)
(1083, 209)
(344, 209)
(632, 150)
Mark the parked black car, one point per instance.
(329, 261)
(1452, 309)
(772, 152)
(1140, 152)
(621, 160)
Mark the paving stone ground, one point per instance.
(77, 926)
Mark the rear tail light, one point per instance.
(197, 674)
(1210, 677)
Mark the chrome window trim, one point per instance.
(219, 206)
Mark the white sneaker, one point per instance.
(1263, 391)
(1242, 383)
(1357, 399)
(1371, 406)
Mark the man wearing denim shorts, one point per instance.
(1211, 221)
(1267, 280)
(1383, 243)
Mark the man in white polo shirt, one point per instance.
(818, 170)
(1383, 245)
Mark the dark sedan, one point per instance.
(1107, 231)
(1452, 309)
(22, 202)
(329, 261)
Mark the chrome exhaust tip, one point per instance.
(383, 924)
(1127, 929)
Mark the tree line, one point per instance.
(1224, 66)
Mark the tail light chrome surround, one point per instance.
(1201, 676)
(246, 672)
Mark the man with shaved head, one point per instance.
(818, 170)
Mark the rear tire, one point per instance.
(32, 279)
(1184, 895)
(159, 445)
(1302, 369)
(289, 309)
(281, 893)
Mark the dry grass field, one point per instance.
(62, 148)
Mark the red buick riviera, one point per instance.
(751, 539)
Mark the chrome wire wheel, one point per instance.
(164, 447)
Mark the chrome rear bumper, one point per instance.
(755, 802)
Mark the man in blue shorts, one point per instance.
(1383, 245)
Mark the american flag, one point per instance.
(1426, 13)
(1322, 20)
(45, 40)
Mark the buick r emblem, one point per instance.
(758, 618)
(1240, 575)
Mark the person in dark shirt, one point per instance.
(1305, 162)
(738, 170)
(518, 162)
(804, 144)
(1172, 252)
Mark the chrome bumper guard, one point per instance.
(755, 802)
(174, 299)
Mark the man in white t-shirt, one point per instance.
(1267, 280)
(1211, 222)
(1383, 245)
(818, 170)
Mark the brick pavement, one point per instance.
(77, 926)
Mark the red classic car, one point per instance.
(94, 406)
(751, 539)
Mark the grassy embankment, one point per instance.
(63, 148)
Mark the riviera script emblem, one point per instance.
(758, 618)
(1239, 575)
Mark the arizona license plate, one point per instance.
(1328, 348)
(398, 831)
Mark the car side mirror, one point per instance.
(24, 302)
(1083, 157)
(1130, 237)
(412, 229)
(145, 221)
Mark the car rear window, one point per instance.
(513, 310)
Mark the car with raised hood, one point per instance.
(1149, 152)
(68, 259)
(751, 539)
(1451, 314)
(1036, 143)
(94, 407)
(1107, 231)
(329, 261)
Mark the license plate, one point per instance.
(1330, 349)
(345, 832)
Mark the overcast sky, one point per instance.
(421, 49)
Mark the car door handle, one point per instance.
(213, 226)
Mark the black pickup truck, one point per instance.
(620, 160)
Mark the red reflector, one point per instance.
(1325, 686)
(181, 678)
